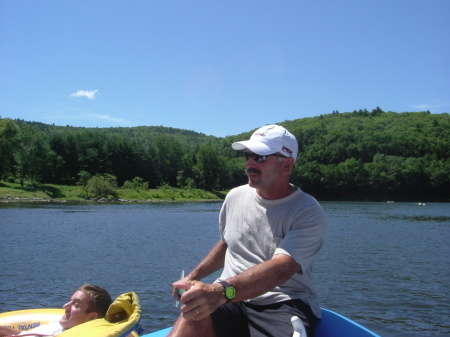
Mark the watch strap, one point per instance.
(226, 289)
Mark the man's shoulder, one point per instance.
(239, 190)
(305, 197)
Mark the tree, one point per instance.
(83, 178)
(438, 173)
(351, 179)
(209, 168)
(136, 184)
(169, 153)
(31, 155)
(101, 185)
(186, 176)
(8, 130)
(92, 152)
(65, 165)
(385, 175)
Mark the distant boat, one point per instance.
(421, 203)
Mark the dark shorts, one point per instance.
(242, 319)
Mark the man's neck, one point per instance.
(277, 193)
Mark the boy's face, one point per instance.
(76, 311)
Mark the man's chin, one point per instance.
(253, 181)
(64, 322)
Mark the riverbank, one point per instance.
(12, 192)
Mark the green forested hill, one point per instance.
(357, 155)
(142, 134)
(375, 155)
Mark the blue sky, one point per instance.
(219, 67)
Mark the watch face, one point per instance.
(230, 292)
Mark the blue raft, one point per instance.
(331, 325)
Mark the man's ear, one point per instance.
(93, 315)
(288, 165)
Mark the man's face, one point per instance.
(76, 311)
(264, 174)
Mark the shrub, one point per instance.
(101, 186)
(136, 184)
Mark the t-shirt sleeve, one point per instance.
(305, 237)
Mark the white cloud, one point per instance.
(83, 118)
(109, 118)
(435, 106)
(90, 94)
(422, 107)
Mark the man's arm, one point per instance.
(203, 299)
(264, 277)
(211, 263)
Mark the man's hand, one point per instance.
(180, 286)
(201, 300)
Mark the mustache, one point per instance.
(252, 170)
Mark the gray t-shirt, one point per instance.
(256, 229)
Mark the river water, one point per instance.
(385, 266)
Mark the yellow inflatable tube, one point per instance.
(121, 320)
(30, 318)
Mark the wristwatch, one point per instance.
(229, 290)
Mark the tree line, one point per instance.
(359, 155)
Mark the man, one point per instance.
(271, 232)
(89, 302)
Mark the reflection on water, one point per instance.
(386, 266)
(420, 218)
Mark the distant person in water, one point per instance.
(89, 302)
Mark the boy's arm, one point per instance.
(4, 331)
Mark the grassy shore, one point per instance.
(12, 192)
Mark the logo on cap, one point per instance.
(287, 150)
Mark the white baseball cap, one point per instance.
(268, 140)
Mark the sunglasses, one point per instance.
(260, 158)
